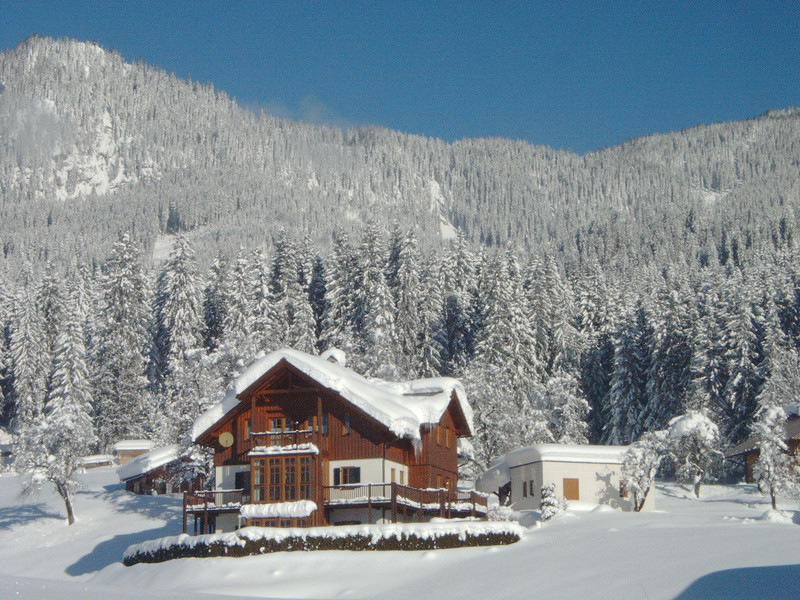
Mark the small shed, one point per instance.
(748, 449)
(6, 449)
(127, 450)
(97, 460)
(160, 471)
(581, 474)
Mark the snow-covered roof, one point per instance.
(97, 459)
(493, 478)
(124, 445)
(6, 439)
(401, 406)
(272, 510)
(576, 453)
(147, 462)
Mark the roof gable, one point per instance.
(402, 407)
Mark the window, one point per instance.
(448, 439)
(402, 477)
(324, 424)
(248, 429)
(275, 479)
(346, 425)
(346, 475)
(242, 482)
(282, 478)
(531, 491)
(275, 425)
(524, 489)
(394, 475)
(258, 480)
(438, 435)
(305, 477)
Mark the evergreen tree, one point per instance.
(238, 320)
(51, 449)
(628, 393)
(339, 319)
(550, 506)
(407, 293)
(178, 309)
(29, 356)
(374, 313)
(568, 411)
(122, 405)
(669, 380)
(214, 297)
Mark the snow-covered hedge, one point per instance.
(260, 540)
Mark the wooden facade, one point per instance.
(748, 449)
(290, 438)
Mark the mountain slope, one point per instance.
(88, 141)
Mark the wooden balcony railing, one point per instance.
(405, 499)
(401, 499)
(284, 438)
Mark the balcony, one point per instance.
(407, 501)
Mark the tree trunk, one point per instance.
(774, 499)
(697, 485)
(63, 491)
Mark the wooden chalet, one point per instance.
(749, 452)
(300, 440)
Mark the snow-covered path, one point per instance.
(713, 548)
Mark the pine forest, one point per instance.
(157, 237)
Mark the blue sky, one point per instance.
(577, 75)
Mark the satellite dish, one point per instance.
(226, 440)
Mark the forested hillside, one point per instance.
(580, 298)
(88, 140)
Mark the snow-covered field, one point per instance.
(717, 547)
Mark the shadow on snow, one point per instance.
(777, 582)
(110, 551)
(20, 514)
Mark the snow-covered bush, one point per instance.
(261, 540)
(499, 513)
(640, 464)
(695, 447)
(550, 506)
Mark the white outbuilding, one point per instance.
(581, 474)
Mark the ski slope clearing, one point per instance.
(726, 545)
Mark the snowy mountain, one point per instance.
(89, 142)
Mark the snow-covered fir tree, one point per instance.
(123, 408)
(550, 505)
(50, 449)
(29, 355)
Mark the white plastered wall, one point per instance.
(598, 483)
(373, 470)
(226, 476)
